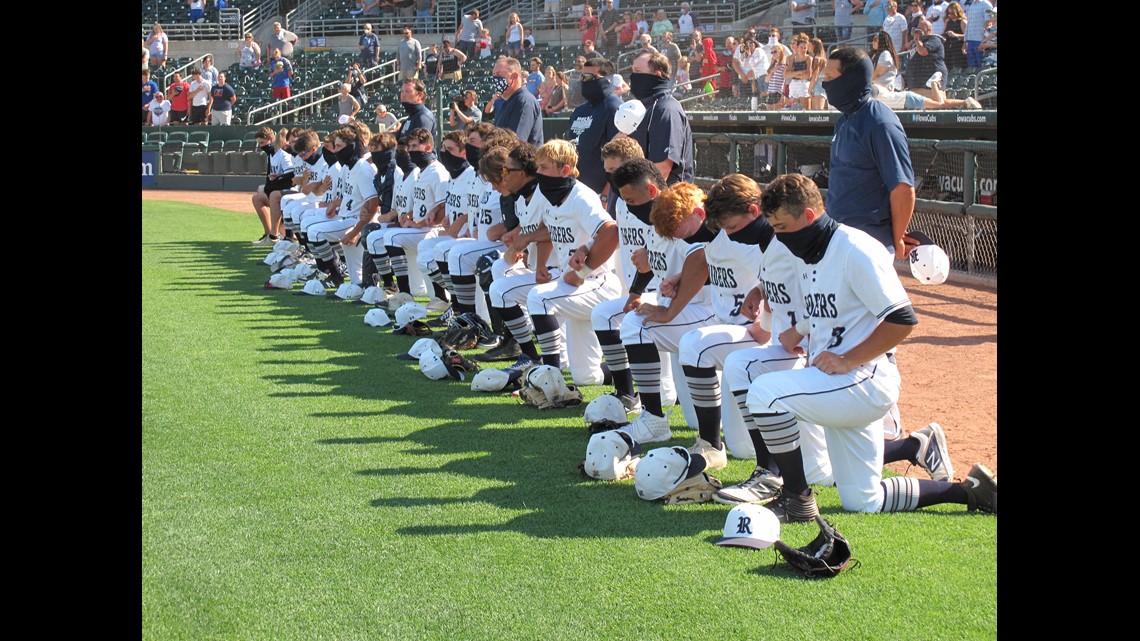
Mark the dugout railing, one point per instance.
(956, 185)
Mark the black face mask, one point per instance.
(555, 188)
(329, 156)
(809, 243)
(421, 159)
(852, 89)
(404, 162)
(647, 85)
(454, 164)
(595, 91)
(472, 154)
(641, 212)
(610, 182)
(313, 158)
(411, 107)
(268, 149)
(527, 190)
(383, 159)
(347, 156)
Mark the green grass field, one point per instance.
(300, 483)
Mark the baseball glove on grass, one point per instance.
(604, 425)
(698, 489)
(826, 556)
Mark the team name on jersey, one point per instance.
(454, 200)
(821, 306)
(473, 201)
(633, 237)
(722, 277)
(563, 235)
(528, 229)
(420, 193)
(777, 293)
(657, 261)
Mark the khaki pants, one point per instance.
(409, 75)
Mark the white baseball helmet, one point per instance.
(489, 380)
(610, 454)
(929, 264)
(409, 312)
(750, 526)
(349, 291)
(605, 407)
(377, 318)
(314, 287)
(629, 116)
(662, 470)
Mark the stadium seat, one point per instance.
(178, 136)
(156, 137)
(144, 137)
(254, 162)
(172, 155)
(200, 140)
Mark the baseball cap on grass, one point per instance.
(313, 287)
(750, 526)
(662, 470)
(281, 280)
(419, 348)
(303, 271)
(370, 296)
(409, 312)
(433, 367)
(348, 291)
(610, 454)
(377, 318)
(490, 380)
(929, 264)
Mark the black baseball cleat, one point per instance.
(509, 351)
(491, 342)
(981, 489)
(790, 508)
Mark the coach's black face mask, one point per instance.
(809, 243)
(555, 188)
(595, 91)
(852, 89)
(646, 85)
(421, 159)
(472, 154)
(454, 164)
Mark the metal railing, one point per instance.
(226, 25)
(168, 72)
(308, 102)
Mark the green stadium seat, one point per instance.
(156, 137)
(200, 139)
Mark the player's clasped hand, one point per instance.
(654, 313)
(831, 363)
(668, 287)
(572, 278)
(790, 341)
(750, 308)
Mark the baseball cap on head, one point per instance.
(610, 454)
(629, 116)
(750, 526)
(929, 264)
(662, 470)
(377, 318)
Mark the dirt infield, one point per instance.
(949, 362)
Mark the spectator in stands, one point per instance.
(730, 88)
(914, 13)
(775, 98)
(484, 44)
(209, 71)
(798, 73)
(645, 43)
(843, 20)
(885, 62)
(927, 67)
(520, 111)
(157, 111)
(819, 61)
(552, 9)
(199, 96)
(936, 14)
(406, 9)
(249, 55)
(179, 93)
(451, 61)
(911, 101)
(895, 25)
(774, 36)
(386, 120)
(465, 114)
(412, 96)
(197, 11)
(425, 9)
(549, 82)
(574, 82)
(469, 29)
(661, 24)
(514, 35)
(409, 56)
(149, 91)
(642, 24)
(670, 49)
(953, 32)
(280, 75)
(803, 16)
(528, 40)
(355, 79)
(876, 12)
(159, 45)
(347, 105)
(618, 84)
(681, 82)
(589, 50)
(560, 90)
(145, 55)
(609, 21)
(588, 25)
(685, 23)
(280, 39)
(627, 31)
(988, 46)
(743, 68)
(222, 100)
(709, 64)
(367, 8)
(369, 48)
(431, 58)
(535, 79)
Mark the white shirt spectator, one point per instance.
(159, 111)
(894, 26)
